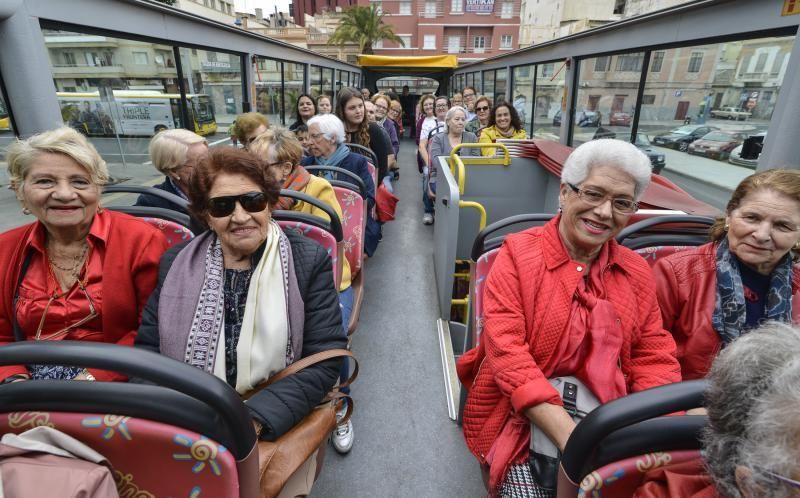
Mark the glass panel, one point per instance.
(606, 100)
(293, 86)
(7, 136)
(327, 81)
(471, 81)
(356, 80)
(315, 73)
(548, 100)
(268, 88)
(522, 95)
(690, 91)
(478, 85)
(216, 78)
(119, 93)
(340, 80)
(500, 85)
(488, 84)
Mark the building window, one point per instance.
(457, 7)
(69, 59)
(648, 99)
(429, 42)
(378, 44)
(695, 61)
(405, 8)
(479, 42)
(430, 8)
(140, 58)
(761, 62)
(406, 40)
(547, 70)
(629, 62)
(658, 60)
(453, 44)
(601, 64)
(505, 41)
(507, 10)
(777, 64)
(378, 6)
(619, 6)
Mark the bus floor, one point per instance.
(405, 443)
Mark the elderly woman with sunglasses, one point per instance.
(78, 272)
(748, 273)
(481, 120)
(564, 300)
(244, 300)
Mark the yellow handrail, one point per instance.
(460, 172)
(479, 207)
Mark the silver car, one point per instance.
(736, 156)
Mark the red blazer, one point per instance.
(687, 283)
(528, 298)
(130, 271)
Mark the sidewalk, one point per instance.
(718, 174)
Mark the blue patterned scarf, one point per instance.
(338, 156)
(729, 308)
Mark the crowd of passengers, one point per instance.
(561, 300)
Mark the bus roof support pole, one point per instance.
(23, 62)
(784, 127)
(184, 104)
(568, 105)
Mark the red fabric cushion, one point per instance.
(149, 458)
(326, 240)
(653, 254)
(355, 217)
(173, 232)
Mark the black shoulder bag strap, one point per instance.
(18, 334)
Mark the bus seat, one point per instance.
(173, 232)
(667, 230)
(325, 239)
(654, 253)
(355, 218)
(184, 424)
(622, 479)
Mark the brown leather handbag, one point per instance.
(279, 459)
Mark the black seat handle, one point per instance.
(359, 183)
(663, 220)
(141, 189)
(181, 219)
(480, 239)
(358, 148)
(334, 226)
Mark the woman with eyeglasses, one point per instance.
(564, 300)
(747, 274)
(305, 109)
(483, 106)
(245, 299)
(382, 104)
(78, 272)
(396, 115)
(248, 126)
(504, 123)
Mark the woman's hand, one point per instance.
(556, 423)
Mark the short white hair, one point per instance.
(168, 149)
(330, 126)
(608, 152)
(452, 112)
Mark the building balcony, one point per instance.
(318, 38)
(463, 49)
(86, 71)
(753, 77)
(72, 40)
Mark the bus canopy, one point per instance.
(408, 63)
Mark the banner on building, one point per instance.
(479, 6)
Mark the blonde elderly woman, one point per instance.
(564, 300)
(282, 152)
(175, 154)
(77, 272)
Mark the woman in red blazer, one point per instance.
(564, 299)
(747, 274)
(78, 272)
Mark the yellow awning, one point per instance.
(424, 61)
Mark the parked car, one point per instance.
(717, 144)
(620, 119)
(680, 138)
(656, 158)
(730, 113)
(736, 154)
(584, 119)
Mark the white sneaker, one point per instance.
(427, 219)
(342, 437)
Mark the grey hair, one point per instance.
(451, 112)
(752, 401)
(330, 126)
(608, 152)
(168, 149)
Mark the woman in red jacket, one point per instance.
(78, 272)
(712, 294)
(564, 300)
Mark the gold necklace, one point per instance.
(79, 260)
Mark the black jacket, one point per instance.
(283, 404)
(153, 201)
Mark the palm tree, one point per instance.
(363, 26)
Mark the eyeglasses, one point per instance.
(481, 109)
(55, 335)
(383, 107)
(621, 205)
(469, 95)
(441, 106)
(785, 480)
(252, 202)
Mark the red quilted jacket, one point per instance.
(687, 283)
(528, 299)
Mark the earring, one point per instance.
(100, 209)
(26, 211)
(726, 227)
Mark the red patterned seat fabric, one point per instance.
(653, 254)
(622, 479)
(354, 213)
(326, 239)
(482, 267)
(150, 459)
(173, 232)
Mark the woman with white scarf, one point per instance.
(244, 300)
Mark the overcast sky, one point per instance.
(267, 5)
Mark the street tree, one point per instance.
(363, 26)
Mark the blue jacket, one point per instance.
(153, 201)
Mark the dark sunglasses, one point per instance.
(252, 202)
(481, 109)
